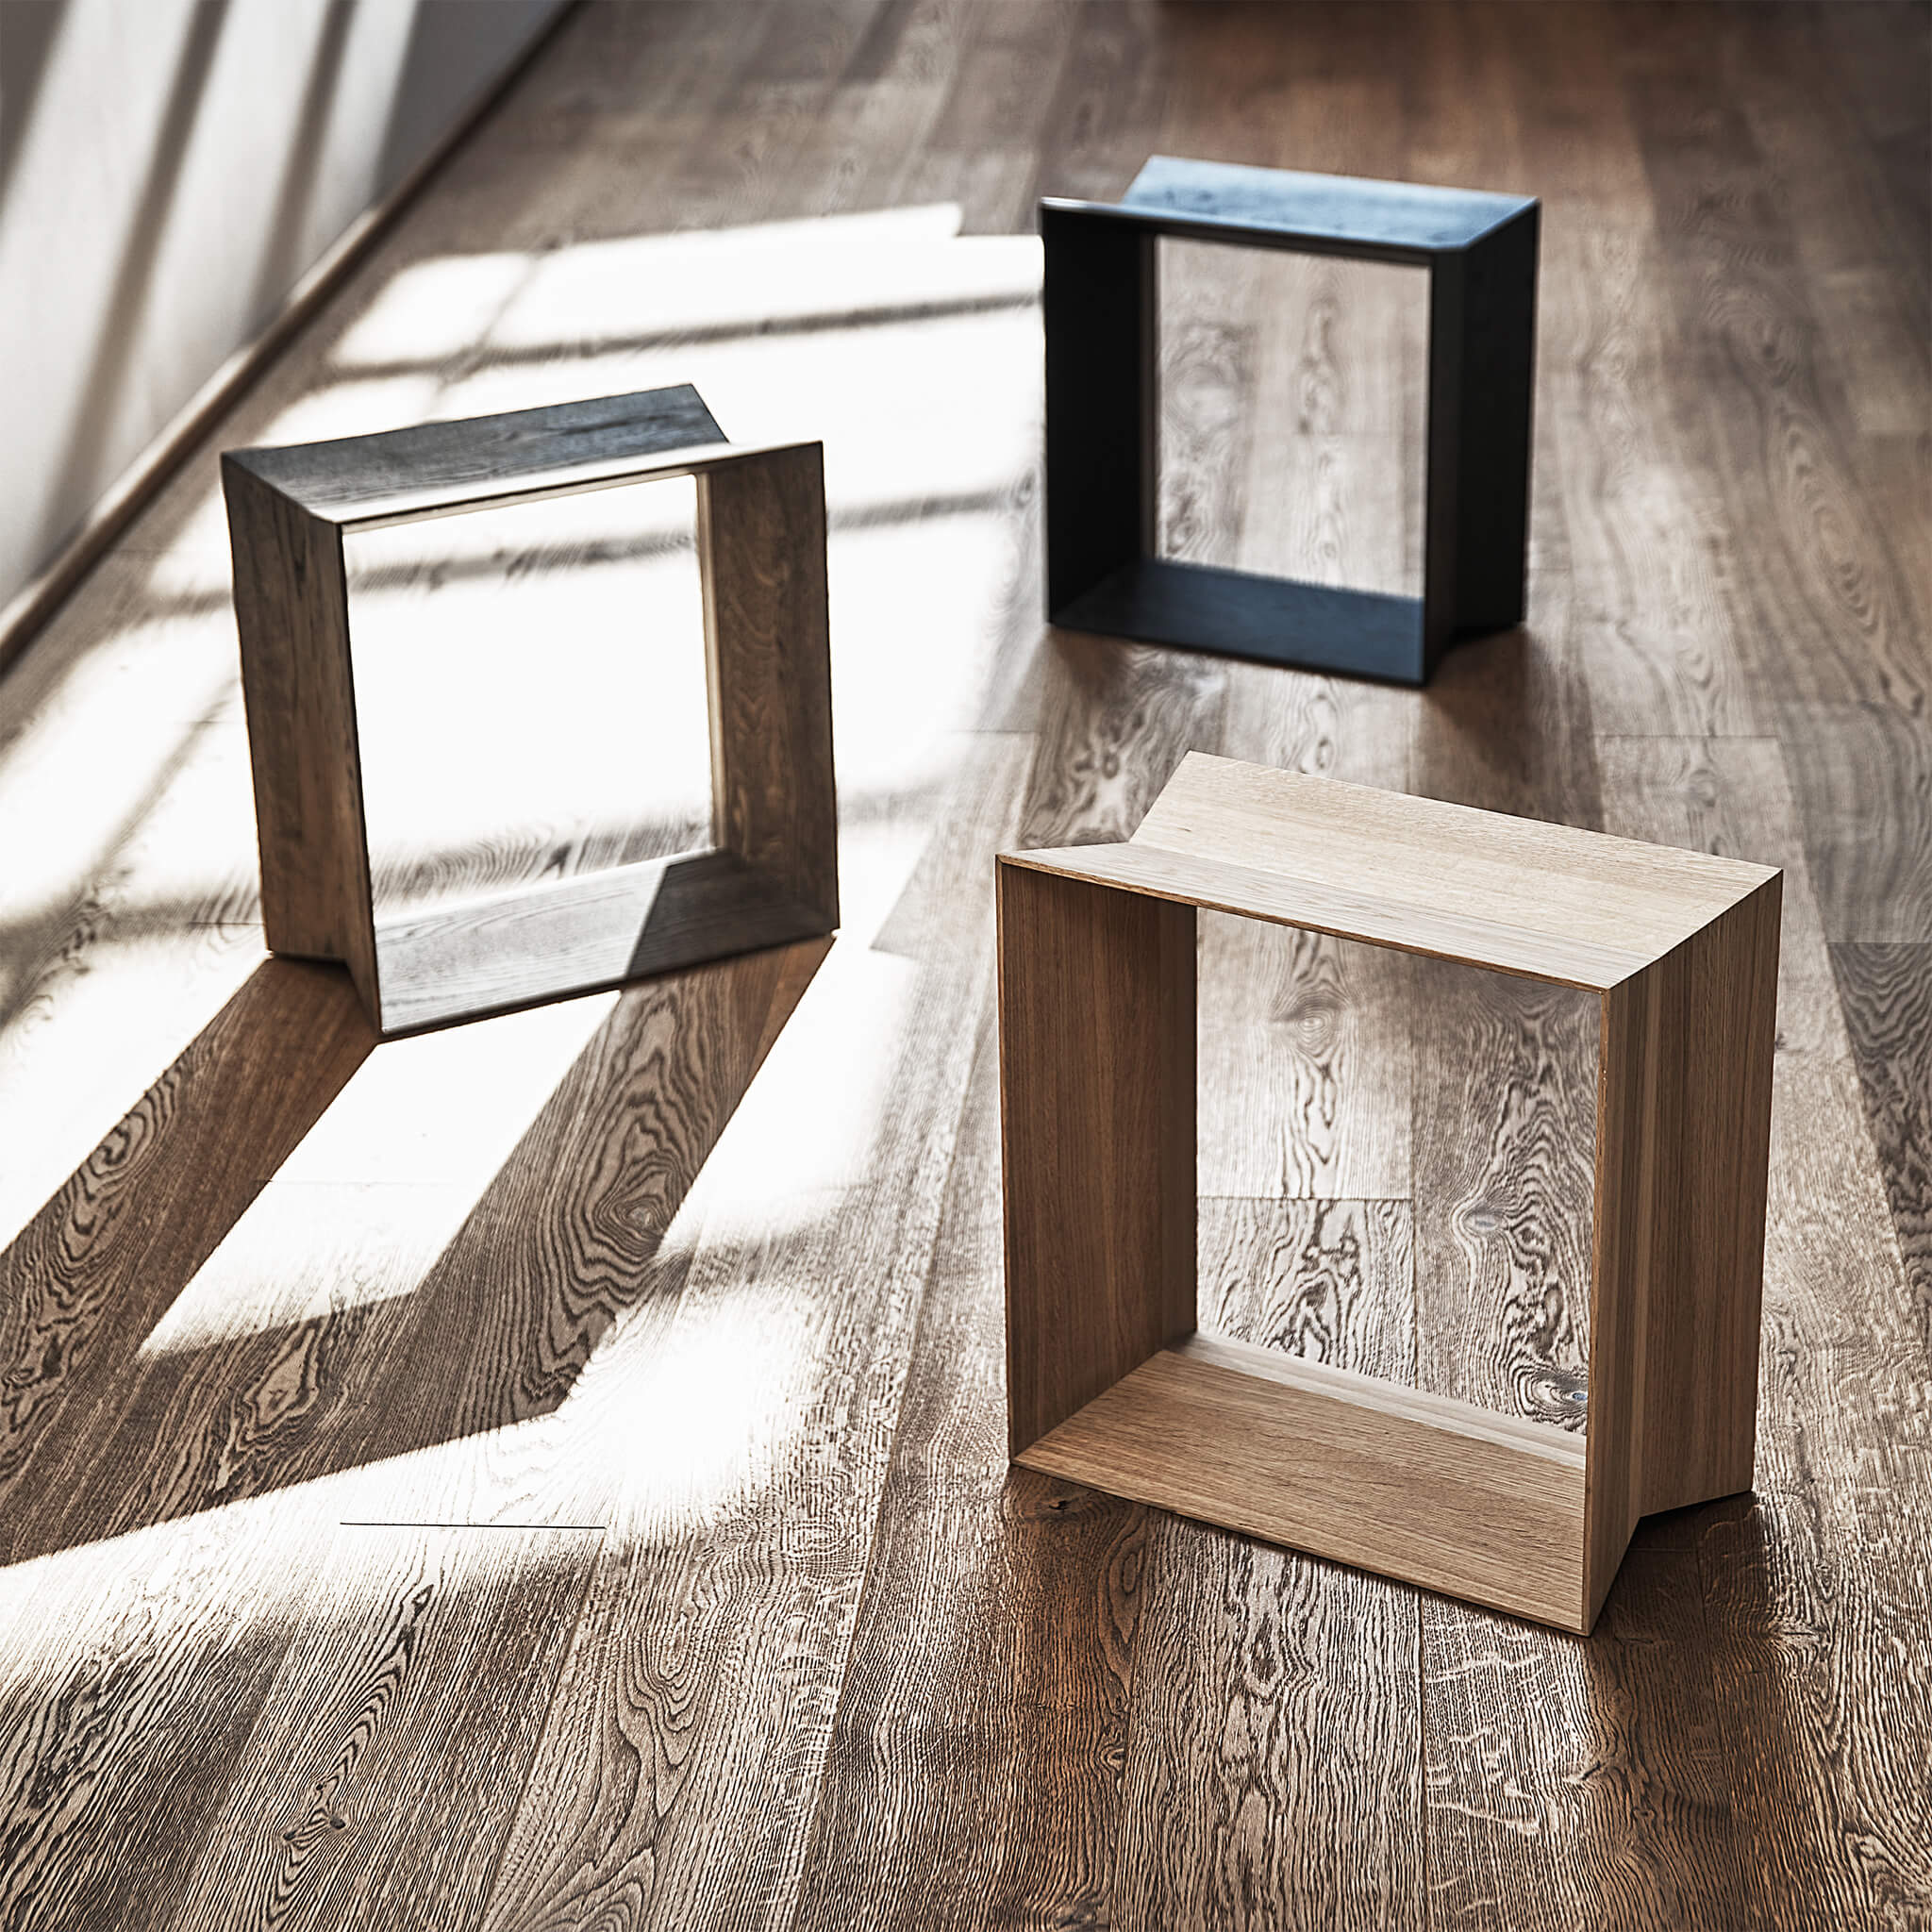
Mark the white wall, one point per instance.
(167, 171)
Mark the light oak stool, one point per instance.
(1103, 353)
(771, 875)
(1108, 1381)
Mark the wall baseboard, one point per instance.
(29, 610)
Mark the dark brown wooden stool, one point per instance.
(771, 875)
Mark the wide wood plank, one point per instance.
(974, 1776)
(1517, 1828)
(756, 1551)
(378, 1784)
(1504, 1164)
(836, 1661)
(1887, 1005)
(1832, 622)
(1255, 1791)
(102, 1260)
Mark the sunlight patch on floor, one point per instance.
(912, 352)
(706, 1423)
(810, 1119)
(364, 1206)
(531, 687)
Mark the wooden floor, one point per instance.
(540, 1474)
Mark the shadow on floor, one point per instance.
(97, 1438)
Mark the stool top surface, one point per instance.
(430, 468)
(1394, 217)
(1541, 901)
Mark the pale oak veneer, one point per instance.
(1107, 1381)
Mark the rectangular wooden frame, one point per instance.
(1108, 1381)
(773, 875)
(1102, 324)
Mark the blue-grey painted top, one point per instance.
(1319, 208)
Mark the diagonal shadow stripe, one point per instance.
(127, 1232)
(97, 1440)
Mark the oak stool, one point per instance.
(1102, 414)
(1108, 1381)
(771, 875)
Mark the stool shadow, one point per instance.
(98, 1438)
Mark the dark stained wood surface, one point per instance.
(771, 874)
(1887, 1005)
(373, 1746)
(794, 1646)
(446, 463)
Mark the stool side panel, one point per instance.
(1098, 312)
(1442, 461)
(761, 554)
(1097, 1130)
(1338, 1476)
(1490, 491)
(292, 616)
(1707, 1276)
(1683, 1135)
(1622, 1245)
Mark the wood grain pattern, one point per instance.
(1569, 1780)
(377, 1785)
(91, 1273)
(1097, 1131)
(1274, 1757)
(1862, 774)
(1506, 1158)
(684, 1808)
(1546, 882)
(762, 547)
(362, 482)
(1305, 1065)
(1713, 1122)
(1731, 795)
(486, 954)
(291, 612)
(494, 1327)
(122, 1731)
(1247, 1796)
(1462, 935)
(1887, 1005)
(1811, 1600)
(1205, 431)
(1817, 577)
(976, 1776)
(1009, 1699)
(1413, 1486)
